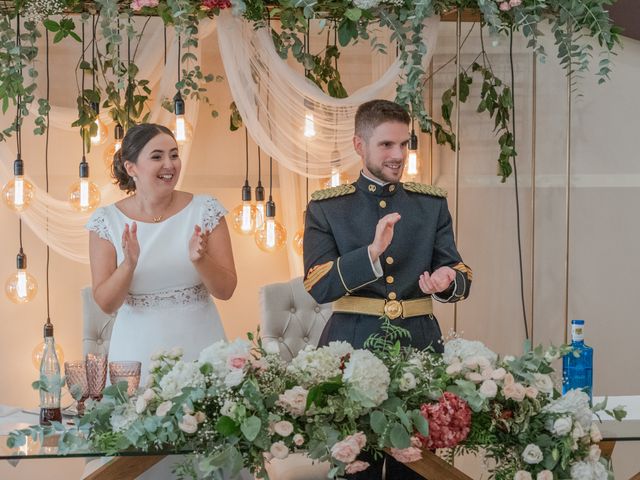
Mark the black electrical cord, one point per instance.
(46, 170)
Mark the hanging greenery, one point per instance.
(582, 29)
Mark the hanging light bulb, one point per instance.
(38, 351)
(21, 287)
(84, 195)
(413, 161)
(181, 129)
(110, 151)
(18, 192)
(98, 131)
(272, 236)
(244, 215)
(260, 205)
(309, 121)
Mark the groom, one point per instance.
(382, 247)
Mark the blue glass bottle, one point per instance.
(577, 365)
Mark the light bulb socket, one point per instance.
(118, 132)
(18, 167)
(95, 107)
(413, 141)
(178, 104)
(48, 330)
(246, 192)
(21, 260)
(84, 168)
(270, 209)
(260, 192)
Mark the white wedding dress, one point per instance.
(167, 306)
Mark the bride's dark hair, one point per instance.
(132, 144)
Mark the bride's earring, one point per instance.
(135, 179)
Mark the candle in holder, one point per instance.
(124, 371)
(96, 374)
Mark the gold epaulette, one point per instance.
(425, 189)
(333, 192)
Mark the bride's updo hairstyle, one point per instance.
(132, 144)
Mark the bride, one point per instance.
(158, 256)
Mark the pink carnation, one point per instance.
(505, 7)
(410, 454)
(355, 467)
(449, 421)
(221, 4)
(348, 449)
(138, 5)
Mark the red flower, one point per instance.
(449, 421)
(221, 4)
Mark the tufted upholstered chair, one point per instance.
(96, 325)
(293, 319)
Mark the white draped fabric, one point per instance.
(52, 219)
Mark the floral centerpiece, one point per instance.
(239, 405)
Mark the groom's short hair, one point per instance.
(374, 112)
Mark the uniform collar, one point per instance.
(376, 187)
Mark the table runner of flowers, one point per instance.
(239, 405)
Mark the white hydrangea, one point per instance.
(183, 374)
(366, 4)
(218, 355)
(589, 471)
(311, 366)
(575, 402)
(460, 350)
(123, 416)
(367, 376)
(340, 349)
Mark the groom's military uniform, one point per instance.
(340, 225)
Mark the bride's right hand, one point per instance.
(130, 245)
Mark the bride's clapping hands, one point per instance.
(130, 245)
(198, 243)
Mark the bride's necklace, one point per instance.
(157, 219)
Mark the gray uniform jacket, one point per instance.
(339, 226)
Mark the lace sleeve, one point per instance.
(98, 223)
(212, 211)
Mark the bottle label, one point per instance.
(577, 333)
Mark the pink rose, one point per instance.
(283, 428)
(294, 401)
(346, 450)
(498, 374)
(237, 361)
(531, 392)
(279, 450)
(516, 391)
(545, 475)
(200, 417)
(522, 475)
(504, 6)
(360, 439)
(474, 377)
(355, 467)
(406, 455)
(188, 424)
(515, 3)
(298, 440)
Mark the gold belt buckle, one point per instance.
(393, 309)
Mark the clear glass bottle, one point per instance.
(577, 365)
(50, 370)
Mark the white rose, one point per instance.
(298, 440)
(283, 428)
(188, 424)
(200, 417)
(164, 408)
(154, 365)
(532, 454)
(543, 382)
(234, 378)
(596, 435)
(272, 347)
(522, 475)
(488, 389)
(279, 450)
(454, 368)
(176, 352)
(141, 405)
(471, 362)
(157, 354)
(483, 362)
(545, 475)
(407, 382)
(228, 408)
(149, 395)
(498, 374)
(578, 431)
(594, 453)
(562, 426)
(474, 377)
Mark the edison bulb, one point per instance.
(99, 132)
(297, 241)
(84, 195)
(18, 193)
(21, 287)
(244, 218)
(309, 125)
(38, 351)
(272, 236)
(182, 130)
(110, 151)
(335, 179)
(412, 163)
(260, 214)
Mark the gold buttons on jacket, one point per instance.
(392, 188)
(389, 279)
(372, 187)
(382, 204)
(389, 260)
(392, 295)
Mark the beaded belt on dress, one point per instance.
(169, 298)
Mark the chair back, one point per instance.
(291, 317)
(96, 325)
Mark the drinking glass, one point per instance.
(76, 376)
(96, 374)
(126, 371)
